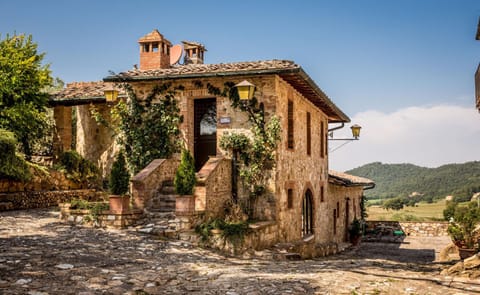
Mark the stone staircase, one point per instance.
(164, 200)
(160, 218)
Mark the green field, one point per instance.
(422, 212)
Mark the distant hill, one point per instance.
(395, 180)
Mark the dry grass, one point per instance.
(422, 212)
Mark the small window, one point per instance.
(338, 209)
(155, 47)
(309, 134)
(322, 194)
(146, 47)
(290, 198)
(290, 139)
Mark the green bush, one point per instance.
(77, 168)
(119, 177)
(11, 166)
(465, 220)
(185, 176)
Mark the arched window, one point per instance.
(307, 214)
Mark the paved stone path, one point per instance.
(40, 255)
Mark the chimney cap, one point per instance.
(153, 36)
(193, 44)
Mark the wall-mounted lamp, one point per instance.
(245, 90)
(355, 133)
(111, 95)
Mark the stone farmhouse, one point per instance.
(305, 203)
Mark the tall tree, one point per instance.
(23, 100)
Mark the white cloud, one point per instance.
(424, 136)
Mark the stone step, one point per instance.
(166, 197)
(167, 190)
(163, 205)
(168, 182)
(162, 210)
(293, 256)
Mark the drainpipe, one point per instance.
(336, 128)
(368, 186)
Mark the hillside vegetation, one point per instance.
(402, 180)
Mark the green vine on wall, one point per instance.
(148, 128)
(257, 151)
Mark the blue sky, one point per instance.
(371, 57)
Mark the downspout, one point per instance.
(336, 128)
(369, 186)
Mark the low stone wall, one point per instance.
(150, 180)
(103, 219)
(264, 235)
(41, 181)
(44, 199)
(214, 187)
(413, 228)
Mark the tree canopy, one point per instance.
(23, 100)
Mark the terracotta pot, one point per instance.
(185, 204)
(119, 204)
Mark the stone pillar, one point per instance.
(63, 129)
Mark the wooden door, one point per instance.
(205, 130)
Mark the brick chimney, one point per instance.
(154, 51)
(194, 52)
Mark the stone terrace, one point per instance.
(41, 255)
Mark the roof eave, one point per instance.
(345, 182)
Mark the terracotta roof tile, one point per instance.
(189, 69)
(348, 179)
(85, 90)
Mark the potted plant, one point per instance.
(118, 185)
(355, 231)
(184, 183)
(463, 222)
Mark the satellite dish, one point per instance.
(175, 53)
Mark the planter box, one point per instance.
(184, 204)
(119, 204)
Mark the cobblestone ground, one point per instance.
(40, 255)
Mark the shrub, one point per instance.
(185, 177)
(77, 168)
(465, 220)
(119, 177)
(11, 166)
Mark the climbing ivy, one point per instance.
(147, 129)
(257, 151)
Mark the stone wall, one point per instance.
(413, 228)
(147, 182)
(63, 129)
(45, 189)
(41, 181)
(103, 219)
(299, 171)
(96, 142)
(44, 199)
(342, 199)
(214, 187)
